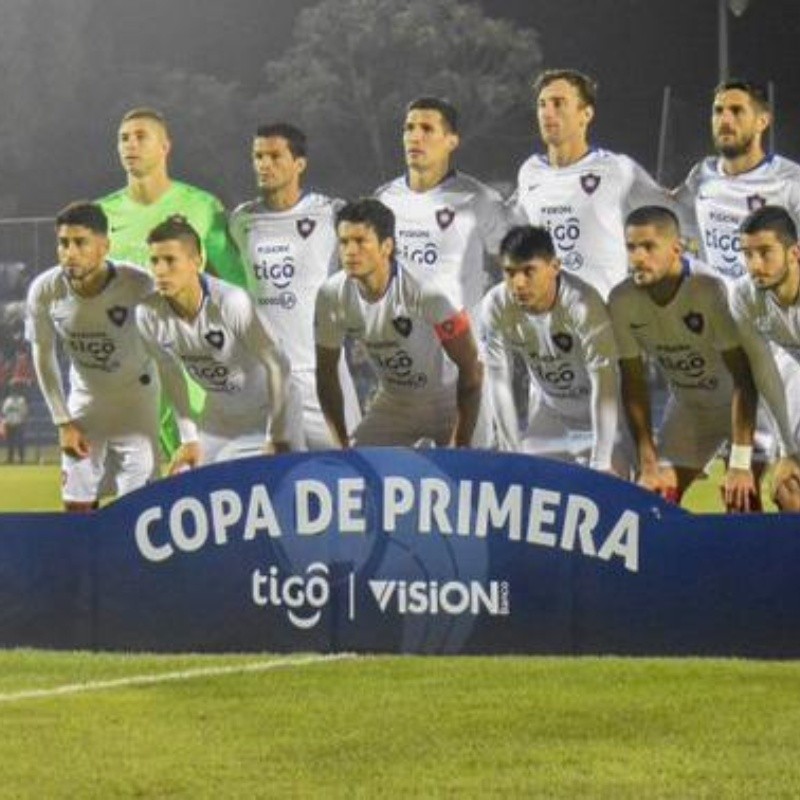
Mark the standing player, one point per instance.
(151, 195)
(579, 193)
(288, 242)
(449, 224)
(211, 329)
(766, 307)
(108, 421)
(419, 342)
(559, 327)
(722, 190)
(679, 317)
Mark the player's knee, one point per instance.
(787, 495)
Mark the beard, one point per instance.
(735, 149)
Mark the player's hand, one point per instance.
(72, 440)
(651, 478)
(739, 490)
(187, 457)
(276, 448)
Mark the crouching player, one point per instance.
(679, 317)
(766, 306)
(559, 326)
(108, 422)
(211, 329)
(420, 344)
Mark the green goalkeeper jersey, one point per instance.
(130, 223)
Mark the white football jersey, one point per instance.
(447, 233)
(288, 254)
(584, 206)
(224, 349)
(397, 330)
(560, 348)
(98, 334)
(713, 205)
(684, 338)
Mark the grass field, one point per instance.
(35, 487)
(301, 726)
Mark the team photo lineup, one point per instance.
(591, 316)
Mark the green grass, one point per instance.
(35, 487)
(403, 727)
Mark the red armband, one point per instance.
(452, 328)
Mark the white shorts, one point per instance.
(553, 435)
(123, 438)
(315, 428)
(224, 437)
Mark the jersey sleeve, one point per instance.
(328, 317)
(726, 333)
(644, 191)
(494, 220)
(499, 374)
(683, 197)
(170, 371)
(619, 308)
(222, 254)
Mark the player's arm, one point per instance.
(174, 385)
(329, 392)
(740, 487)
(605, 415)
(455, 336)
(636, 404)
(222, 255)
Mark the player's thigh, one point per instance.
(689, 437)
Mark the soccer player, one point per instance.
(448, 223)
(581, 194)
(211, 329)
(765, 306)
(418, 340)
(287, 239)
(151, 195)
(559, 327)
(108, 420)
(720, 191)
(669, 311)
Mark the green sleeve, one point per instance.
(222, 255)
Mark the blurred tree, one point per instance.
(354, 64)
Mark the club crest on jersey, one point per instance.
(305, 227)
(118, 315)
(590, 182)
(444, 217)
(694, 322)
(402, 325)
(563, 341)
(756, 201)
(215, 339)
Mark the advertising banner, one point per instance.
(399, 550)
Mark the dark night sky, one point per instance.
(634, 48)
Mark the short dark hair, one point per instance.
(295, 138)
(145, 112)
(444, 107)
(86, 214)
(755, 91)
(585, 86)
(524, 242)
(369, 211)
(658, 216)
(771, 218)
(176, 227)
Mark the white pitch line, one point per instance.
(166, 677)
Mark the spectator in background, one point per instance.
(15, 417)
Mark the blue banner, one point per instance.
(396, 550)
